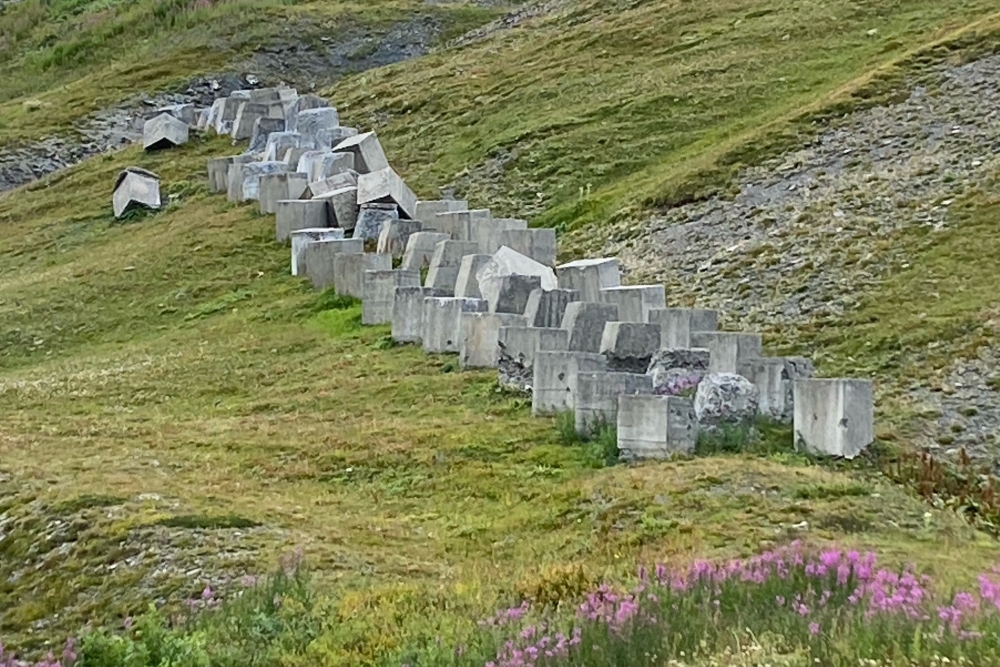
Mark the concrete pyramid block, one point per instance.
(367, 150)
(135, 188)
(506, 263)
(386, 187)
(163, 131)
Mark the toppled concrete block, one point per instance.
(728, 349)
(163, 131)
(655, 427)
(368, 153)
(834, 416)
(590, 276)
(135, 188)
(408, 313)
(349, 271)
(293, 214)
(459, 224)
(335, 136)
(547, 308)
(538, 244)
(301, 238)
(346, 179)
(442, 322)
(262, 130)
(310, 121)
(273, 188)
(386, 187)
(523, 343)
(303, 103)
(244, 179)
(395, 235)
(554, 378)
(379, 292)
(344, 205)
(678, 371)
(775, 379)
(677, 324)
(420, 249)
(596, 400)
(372, 218)
(725, 399)
(466, 285)
(489, 236)
(427, 210)
(332, 164)
(505, 263)
(215, 114)
(319, 259)
(308, 159)
(479, 347)
(512, 295)
(585, 322)
(635, 301)
(218, 171)
(246, 116)
(629, 346)
(445, 264)
(183, 112)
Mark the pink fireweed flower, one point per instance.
(814, 628)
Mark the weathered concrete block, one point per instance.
(386, 187)
(479, 346)
(629, 346)
(273, 188)
(547, 308)
(319, 257)
(294, 155)
(678, 370)
(135, 188)
(344, 205)
(335, 136)
(775, 378)
(538, 244)
(446, 262)
(201, 119)
(408, 313)
(368, 153)
(311, 121)
(655, 427)
(420, 249)
(427, 210)
(280, 143)
(488, 236)
(506, 263)
(303, 103)
(346, 179)
(186, 113)
(585, 322)
(677, 324)
(163, 131)
(372, 218)
(215, 114)
(442, 322)
(596, 399)
(293, 214)
(264, 95)
(308, 160)
(554, 379)
(395, 234)
(218, 171)
(834, 416)
(466, 285)
(728, 349)
(244, 179)
(262, 130)
(458, 224)
(523, 343)
(246, 116)
(349, 271)
(301, 238)
(379, 292)
(590, 276)
(635, 301)
(322, 165)
(512, 295)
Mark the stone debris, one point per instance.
(135, 188)
(164, 131)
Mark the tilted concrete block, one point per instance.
(629, 346)
(728, 349)
(466, 284)
(349, 271)
(479, 346)
(302, 103)
(505, 263)
(262, 130)
(386, 187)
(512, 295)
(163, 131)
(294, 214)
(775, 378)
(379, 292)
(427, 210)
(301, 238)
(135, 188)
(459, 224)
(346, 179)
(395, 234)
(335, 136)
(372, 218)
(368, 153)
(311, 121)
(330, 165)
(215, 114)
(319, 257)
(596, 399)
(546, 308)
(834, 416)
(442, 322)
(538, 244)
(554, 379)
(344, 205)
(585, 322)
(523, 343)
(273, 188)
(677, 324)
(590, 276)
(655, 427)
(218, 171)
(445, 264)
(308, 159)
(244, 179)
(635, 301)
(185, 113)
(408, 313)
(488, 236)
(280, 143)
(420, 249)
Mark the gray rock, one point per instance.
(678, 371)
(726, 399)
(371, 219)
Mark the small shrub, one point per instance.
(330, 300)
(205, 522)
(600, 445)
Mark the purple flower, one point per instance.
(814, 628)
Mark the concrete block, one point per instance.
(294, 155)
(246, 116)
(635, 301)
(201, 119)
(343, 205)
(368, 153)
(308, 159)
(427, 210)
(834, 416)
(335, 136)
(218, 171)
(585, 322)
(512, 295)
(523, 343)
(346, 179)
(349, 271)
(774, 378)
(264, 95)
(273, 188)
(372, 218)
(420, 249)
(301, 238)
(590, 276)
(135, 188)
(303, 103)
(294, 214)
(479, 347)
(488, 237)
(378, 290)
(311, 121)
(386, 187)
(458, 224)
(441, 330)
(629, 346)
(319, 257)
(553, 386)
(466, 284)
(163, 131)
(655, 427)
(547, 308)
(395, 234)
(185, 113)
(445, 264)
(280, 143)
(408, 312)
(215, 114)
(505, 263)
(321, 165)
(677, 324)
(728, 349)
(262, 130)
(596, 399)
(244, 179)
(538, 244)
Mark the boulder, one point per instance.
(726, 399)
